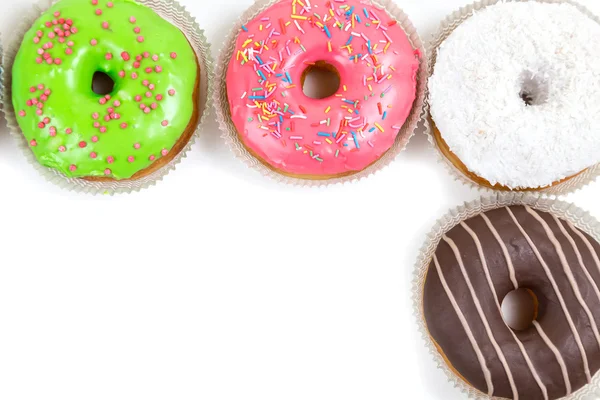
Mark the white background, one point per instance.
(218, 284)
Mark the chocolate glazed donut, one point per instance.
(480, 261)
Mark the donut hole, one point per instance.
(519, 309)
(534, 89)
(102, 83)
(320, 80)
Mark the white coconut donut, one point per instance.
(515, 93)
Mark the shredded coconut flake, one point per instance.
(516, 93)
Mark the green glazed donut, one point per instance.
(137, 128)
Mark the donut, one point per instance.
(354, 42)
(514, 95)
(126, 128)
(477, 264)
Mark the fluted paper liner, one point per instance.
(566, 211)
(448, 26)
(230, 133)
(171, 11)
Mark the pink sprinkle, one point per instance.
(107, 171)
(68, 131)
(29, 103)
(22, 113)
(73, 168)
(106, 118)
(159, 97)
(48, 24)
(93, 42)
(62, 149)
(32, 89)
(105, 25)
(145, 82)
(142, 106)
(131, 159)
(110, 159)
(94, 139)
(117, 103)
(33, 143)
(137, 146)
(47, 92)
(132, 20)
(109, 4)
(43, 98)
(108, 56)
(82, 144)
(151, 86)
(134, 75)
(149, 70)
(46, 120)
(137, 29)
(74, 30)
(39, 34)
(36, 40)
(152, 158)
(41, 125)
(94, 2)
(70, 44)
(136, 64)
(154, 106)
(96, 124)
(52, 35)
(147, 110)
(57, 14)
(39, 112)
(173, 55)
(155, 58)
(102, 101)
(138, 58)
(49, 61)
(122, 74)
(57, 61)
(148, 94)
(123, 125)
(165, 123)
(125, 55)
(164, 152)
(146, 54)
(93, 154)
(69, 51)
(171, 92)
(107, 97)
(140, 39)
(102, 129)
(98, 12)
(39, 60)
(138, 98)
(95, 115)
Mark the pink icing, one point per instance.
(289, 130)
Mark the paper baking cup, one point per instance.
(566, 211)
(230, 134)
(448, 26)
(170, 10)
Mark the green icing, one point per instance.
(72, 103)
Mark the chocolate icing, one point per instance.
(545, 361)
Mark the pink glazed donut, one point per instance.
(335, 136)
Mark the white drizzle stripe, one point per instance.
(557, 354)
(559, 359)
(558, 295)
(568, 271)
(497, 301)
(587, 243)
(483, 317)
(511, 267)
(486, 372)
(579, 257)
